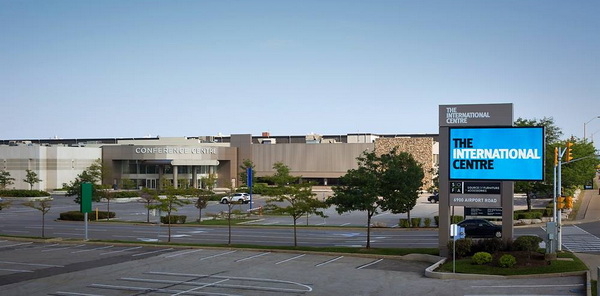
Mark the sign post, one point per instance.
(86, 203)
(249, 182)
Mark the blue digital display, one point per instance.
(511, 153)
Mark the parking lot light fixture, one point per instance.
(584, 137)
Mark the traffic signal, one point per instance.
(560, 202)
(569, 151)
(569, 204)
(555, 156)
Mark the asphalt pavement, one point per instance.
(587, 218)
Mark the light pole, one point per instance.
(584, 138)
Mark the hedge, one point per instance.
(125, 194)
(175, 219)
(23, 193)
(78, 216)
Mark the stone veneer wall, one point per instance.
(420, 148)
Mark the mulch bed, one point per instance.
(524, 259)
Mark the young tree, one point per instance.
(169, 204)
(108, 196)
(387, 182)
(31, 178)
(292, 199)
(246, 164)
(5, 179)
(42, 206)
(93, 174)
(149, 197)
(202, 201)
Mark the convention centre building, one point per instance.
(188, 161)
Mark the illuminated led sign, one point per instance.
(511, 153)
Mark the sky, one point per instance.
(95, 69)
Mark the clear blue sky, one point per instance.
(188, 68)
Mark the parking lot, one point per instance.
(33, 268)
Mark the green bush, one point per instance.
(534, 214)
(437, 220)
(507, 261)
(126, 194)
(491, 245)
(175, 219)
(529, 243)
(481, 258)
(427, 222)
(457, 219)
(403, 223)
(463, 247)
(78, 216)
(415, 222)
(23, 193)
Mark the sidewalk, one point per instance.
(590, 212)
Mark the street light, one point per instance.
(584, 138)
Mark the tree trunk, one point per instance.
(528, 194)
(43, 226)
(199, 215)
(148, 215)
(369, 229)
(107, 209)
(295, 239)
(169, 227)
(408, 217)
(229, 219)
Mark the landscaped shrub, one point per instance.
(507, 261)
(403, 223)
(529, 243)
(78, 216)
(427, 222)
(528, 215)
(456, 219)
(23, 193)
(175, 219)
(415, 222)
(463, 247)
(491, 245)
(437, 220)
(126, 194)
(481, 258)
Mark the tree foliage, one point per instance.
(43, 206)
(31, 178)
(92, 174)
(5, 179)
(292, 198)
(169, 204)
(246, 164)
(389, 182)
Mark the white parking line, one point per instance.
(60, 293)
(30, 264)
(329, 261)
(290, 259)
(200, 287)
(345, 224)
(251, 257)
(119, 251)
(184, 253)
(57, 249)
(88, 250)
(369, 264)
(158, 251)
(15, 270)
(21, 244)
(217, 255)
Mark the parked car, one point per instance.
(236, 198)
(480, 228)
(434, 198)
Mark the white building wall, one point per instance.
(54, 165)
